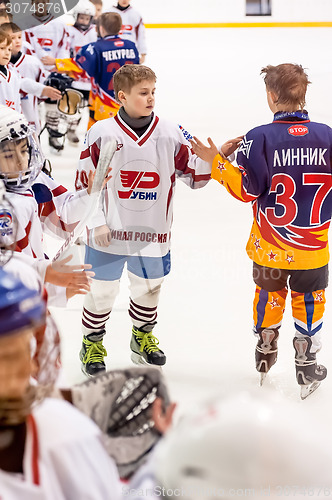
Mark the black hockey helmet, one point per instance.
(59, 81)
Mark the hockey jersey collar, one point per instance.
(139, 140)
(294, 116)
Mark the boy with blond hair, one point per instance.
(133, 226)
(284, 170)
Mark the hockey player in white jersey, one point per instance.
(12, 84)
(27, 66)
(133, 28)
(81, 33)
(41, 204)
(50, 39)
(134, 223)
(49, 450)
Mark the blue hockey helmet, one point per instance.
(20, 307)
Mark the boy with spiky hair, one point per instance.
(284, 169)
(134, 224)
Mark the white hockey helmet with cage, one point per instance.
(84, 7)
(8, 226)
(20, 157)
(245, 444)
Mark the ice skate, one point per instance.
(92, 354)
(55, 144)
(72, 137)
(266, 351)
(308, 374)
(145, 348)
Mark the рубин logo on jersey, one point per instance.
(138, 185)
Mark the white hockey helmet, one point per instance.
(245, 445)
(84, 7)
(8, 226)
(20, 157)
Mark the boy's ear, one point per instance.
(121, 96)
(274, 97)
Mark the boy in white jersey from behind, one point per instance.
(134, 224)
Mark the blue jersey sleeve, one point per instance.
(253, 163)
(87, 59)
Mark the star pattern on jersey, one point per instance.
(271, 256)
(257, 244)
(289, 259)
(319, 296)
(221, 166)
(61, 65)
(101, 109)
(245, 147)
(274, 303)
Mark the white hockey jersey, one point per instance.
(49, 39)
(132, 27)
(47, 207)
(64, 459)
(12, 85)
(78, 39)
(138, 200)
(30, 66)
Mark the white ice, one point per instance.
(209, 81)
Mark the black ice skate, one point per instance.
(145, 348)
(308, 374)
(73, 137)
(92, 354)
(266, 351)
(55, 143)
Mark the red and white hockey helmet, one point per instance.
(20, 157)
(244, 445)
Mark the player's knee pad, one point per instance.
(145, 291)
(308, 310)
(268, 308)
(102, 295)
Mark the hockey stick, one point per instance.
(105, 157)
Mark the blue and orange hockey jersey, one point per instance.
(284, 169)
(100, 60)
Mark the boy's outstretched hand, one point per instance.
(204, 152)
(208, 153)
(75, 278)
(231, 146)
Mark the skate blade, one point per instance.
(55, 152)
(263, 377)
(139, 360)
(306, 390)
(88, 375)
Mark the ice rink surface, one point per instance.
(209, 81)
